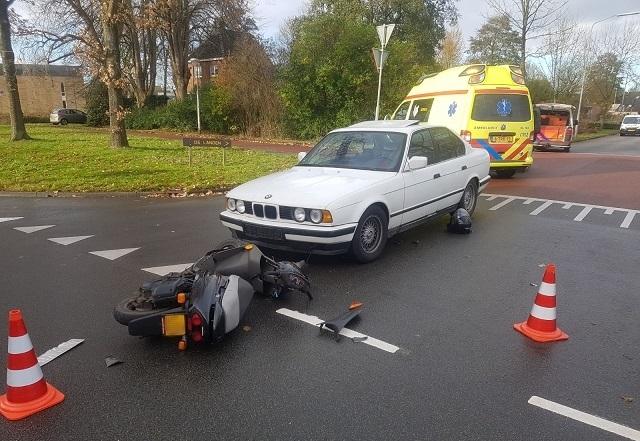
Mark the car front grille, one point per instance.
(258, 210)
(286, 213)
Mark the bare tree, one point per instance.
(562, 58)
(89, 31)
(531, 18)
(18, 130)
(450, 54)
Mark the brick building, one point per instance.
(43, 88)
(203, 70)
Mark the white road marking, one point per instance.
(541, 208)
(501, 204)
(583, 213)
(627, 219)
(567, 206)
(349, 333)
(113, 254)
(630, 213)
(8, 219)
(68, 240)
(586, 418)
(54, 353)
(30, 230)
(164, 270)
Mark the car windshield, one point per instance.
(631, 120)
(498, 107)
(361, 150)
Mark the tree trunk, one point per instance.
(113, 75)
(18, 130)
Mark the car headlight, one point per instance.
(231, 204)
(299, 214)
(240, 208)
(315, 216)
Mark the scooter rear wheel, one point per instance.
(133, 308)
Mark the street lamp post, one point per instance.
(384, 33)
(584, 70)
(196, 73)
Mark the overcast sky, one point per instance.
(270, 14)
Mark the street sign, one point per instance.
(376, 57)
(384, 33)
(225, 143)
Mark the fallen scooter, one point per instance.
(208, 299)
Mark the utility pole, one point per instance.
(379, 55)
(197, 74)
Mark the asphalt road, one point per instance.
(448, 302)
(610, 145)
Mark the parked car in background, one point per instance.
(557, 127)
(66, 116)
(630, 125)
(357, 187)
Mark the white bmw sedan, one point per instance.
(357, 187)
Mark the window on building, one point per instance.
(213, 70)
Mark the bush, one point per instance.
(97, 104)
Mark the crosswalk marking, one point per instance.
(68, 240)
(627, 219)
(164, 270)
(501, 204)
(33, 229)
(541, 208)
(583, 213)
(113, 254)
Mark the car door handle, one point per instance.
(464, 167)
(436, 176)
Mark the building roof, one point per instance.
(54, 70)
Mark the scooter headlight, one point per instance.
(315, 216)
(240, 208)
(299, 214)
(231, 204)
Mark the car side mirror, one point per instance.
(301, 155)
(417, 162)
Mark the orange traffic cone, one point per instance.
(541, 325)
(27, 391)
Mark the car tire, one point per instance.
(567, 149)
(506, 173)
(469, 198)
(64, 122)
(370, 236)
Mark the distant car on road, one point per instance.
(66, 116)
(357, 187)
(630, 125)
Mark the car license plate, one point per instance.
(263, 232)
(501, 139)
(174, 325)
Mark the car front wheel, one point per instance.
(370, 237)
(64, 122)
(469, 197)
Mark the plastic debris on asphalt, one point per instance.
(54, 353)
(111, 361)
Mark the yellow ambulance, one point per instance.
(488, 106)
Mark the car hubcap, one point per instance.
(469, 198)
(371, 234)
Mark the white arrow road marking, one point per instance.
(164, 270)
(586, 418)
(7, 219)
(30, 230)
(68, 240)
(113, 254)
(349, 333)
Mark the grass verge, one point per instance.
(77, 159)
(593, 135)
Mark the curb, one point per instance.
(112, 194)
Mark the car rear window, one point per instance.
(554, 118)
(631, 120)
(498, 107)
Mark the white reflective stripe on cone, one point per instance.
(547, 289)
(24, 377)
(20, 345)
(543, 313)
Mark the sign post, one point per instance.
(384, 34)
(224, 143)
